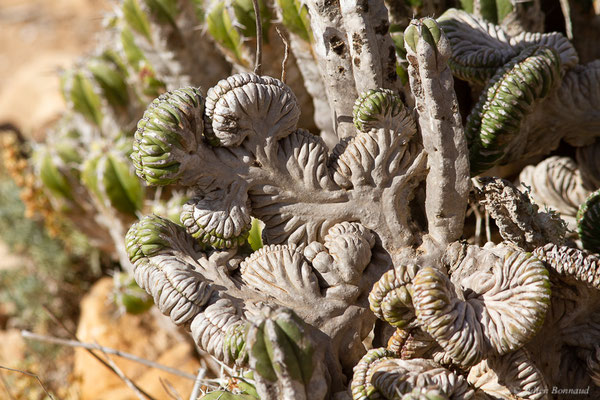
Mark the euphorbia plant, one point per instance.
(391, 196)
(363, 216)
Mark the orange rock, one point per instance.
(136, 334)
(12, 350)
(39, 37)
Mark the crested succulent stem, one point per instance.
(268, 256)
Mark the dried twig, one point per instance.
(259, 38)
(103, 362)
(488, 228)
(31, 374)
(286, 53)
(107, 350)
(478, 223)
(139, 392)
(198, 384)
(6, 387)
(168, 387)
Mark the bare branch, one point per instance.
(31, 374)
(168, 387)
(6, 387)
(103, 362)
(198, 384)
(259, 38)
(285, 54)
(139, 392)
(107, 350)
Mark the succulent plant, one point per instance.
(533, 86)
(587, 223)
(128, 296)
(556, 183)
(150, 47)
(362, 199)
(570, 188)
(378, 218)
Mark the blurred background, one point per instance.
(75, 78)
(48, 281)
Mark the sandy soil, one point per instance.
(37, 39)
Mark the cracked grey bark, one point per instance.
(355, 53)
(331, 48)
(371, 48)
(441, 129)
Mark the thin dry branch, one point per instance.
(169, 389)
(6, 387)
(198, 384)
(259, 38)
(31, 374)
(286, 53)
(107, 350)
(138, 392)
(103, 362)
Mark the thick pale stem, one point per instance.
(371, 48)
(332, 50)
(355, 53)
(431, 82)
(365, 55)
(313, 82)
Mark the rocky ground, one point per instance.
(39, 38)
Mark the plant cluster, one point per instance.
(366, 286)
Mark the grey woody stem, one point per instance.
(259, 39)
(448, 181)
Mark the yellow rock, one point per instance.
(38, 38)
(140, 335)
(12, 348)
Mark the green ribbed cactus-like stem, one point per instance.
(109, 178)
(128, 296)
(160, 146)
(282, 356)
(235, 344)
(495, 122)
(588, 223)
(375, 108)
(166, 39)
